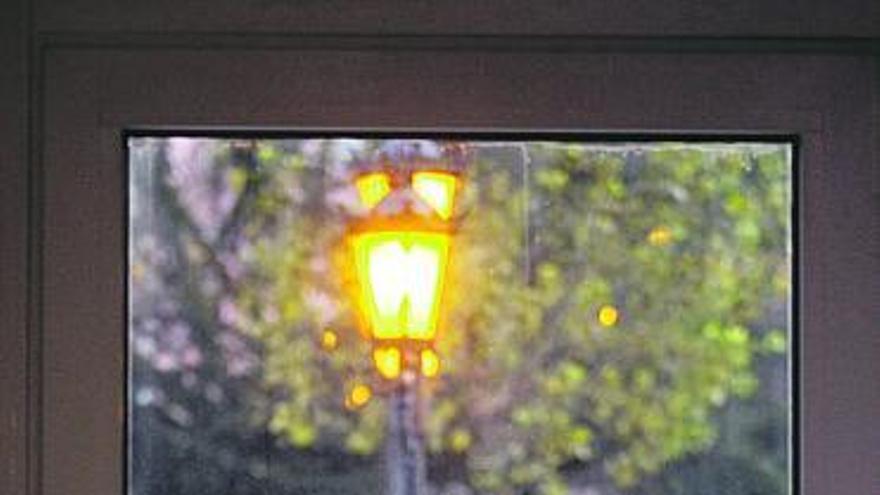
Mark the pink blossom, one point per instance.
(270, 314)
(322, 305)
(233, 266)
(228, 313)
(164, 362)
(191, 357)
(206, 196)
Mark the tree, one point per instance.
(199, 412)
(686, 244)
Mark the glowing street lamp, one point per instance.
(400, 252)
(401, 255)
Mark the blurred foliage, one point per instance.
(688, 243)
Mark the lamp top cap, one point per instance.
(409, 155)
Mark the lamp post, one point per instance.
(400, 254)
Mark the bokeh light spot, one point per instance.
(430, 363)
(359, 396)
(608, 315)
(388, 361)
(660, 236)
(329, 340)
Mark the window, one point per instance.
(616, 317)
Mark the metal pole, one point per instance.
(405, 455)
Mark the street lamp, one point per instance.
(400, 251)
(401, 255)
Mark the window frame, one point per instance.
(93, 94)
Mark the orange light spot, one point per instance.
(359, 396)
(430, 363)
(372, 188)
(329, 340)
(388, 361)
(437, 189)
(608, 315)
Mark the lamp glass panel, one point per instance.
(372, 188)
(401, 274)
(437, 189)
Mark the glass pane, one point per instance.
(329, 316)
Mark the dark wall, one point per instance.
(778, 18)
(13, 234)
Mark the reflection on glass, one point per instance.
(617, 319)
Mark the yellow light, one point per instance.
(460, 440)
(437, 189)
(388, 361)
(359, 396)
(329, 340)
(660, 236)
(372, 188)
(430, 363)
(401, 276)
(608, 315)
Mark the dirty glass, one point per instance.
(615, 317)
